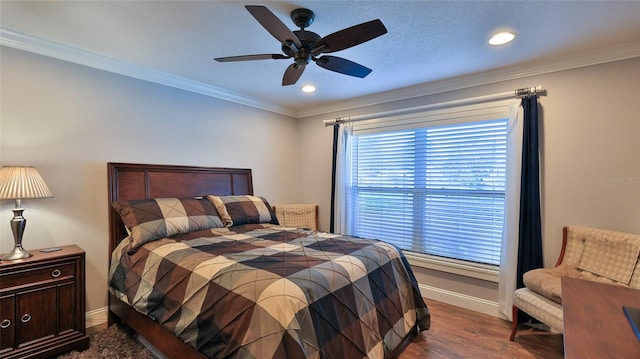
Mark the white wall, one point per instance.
(69, 121)
(590, 148)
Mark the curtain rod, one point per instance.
(518, 93)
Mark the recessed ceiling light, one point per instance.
(501, 38)
(308, 88)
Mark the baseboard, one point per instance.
(96, 317)
(460, 300)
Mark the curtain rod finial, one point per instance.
(526, 91)
(333, 121)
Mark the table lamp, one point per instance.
(20, 182)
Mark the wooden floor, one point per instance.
(460, 333)
(457, 333)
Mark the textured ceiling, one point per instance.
(427, 41)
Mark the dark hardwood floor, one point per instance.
(461, 333)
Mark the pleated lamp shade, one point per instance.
(20, 182)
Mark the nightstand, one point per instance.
(42, 304)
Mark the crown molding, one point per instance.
(70, 54)
(66, 53)
(608, 54)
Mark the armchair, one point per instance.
(297, 215)
(587, 253)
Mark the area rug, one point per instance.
(116, 341)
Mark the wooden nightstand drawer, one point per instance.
(32, 277)
(42, 304)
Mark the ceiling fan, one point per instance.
(305, 46)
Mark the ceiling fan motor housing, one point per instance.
(302, 18)
(308, 39)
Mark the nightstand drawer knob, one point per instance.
(56, 273)
(25, 318)
(5, 324)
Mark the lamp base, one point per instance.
(17, 253)
(18, 222)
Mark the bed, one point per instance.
(227, 281)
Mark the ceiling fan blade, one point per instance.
(350, 36)
(292, 74)
(343, 66)
(251, 57)
(272, 24)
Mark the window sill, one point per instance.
(474, 270)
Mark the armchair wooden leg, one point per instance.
(514, 323)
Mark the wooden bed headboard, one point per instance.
(129, 181)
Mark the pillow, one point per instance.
(222, 210)
(545, 281)
(151, 219)
(237, 210)
(613, 260)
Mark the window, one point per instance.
(432, 183)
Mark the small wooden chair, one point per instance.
(297, 215)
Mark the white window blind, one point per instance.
(434, 182)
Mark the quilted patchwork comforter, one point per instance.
(262, 291)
